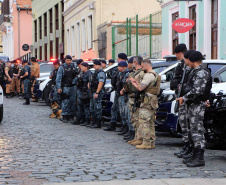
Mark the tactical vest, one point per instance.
(154, 87)
(120, 83)
(54, 76)
(82, 81)
(15, 69)
(206, 94)
(114, 80)
(94, 80)
(70, 73)
(10, 72)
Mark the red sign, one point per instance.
(183, 25)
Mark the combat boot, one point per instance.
(65, 119)
(127, 135)
(131, 138)
(119, 129)
(111, 127)
(186, 152)
(137, 142)
(91, 123)
(97, 124)
(125, 129)
(82, 120)
(143, 146)
(87, 122)
(75, 121)
(184, 149)
(198, 160)
(131, 141)
(189, 155)
(27, 102)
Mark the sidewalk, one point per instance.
(194, 181)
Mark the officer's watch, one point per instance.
(97, 93)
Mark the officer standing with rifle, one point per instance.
(25, 76)
(197, 91)
(35, 73)
(183, 108)
(96, 85)
(66, 81)
(83, 95)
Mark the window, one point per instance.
(214, 67)
(73, 41)
(68, 42)
(214, 26)
(90, 32)
(169, 74)
(223, 76)
(83, 35)
(40, 37)
(46, 68)
(175, 41)
(51, 31)
(78, 40)
(45, 34)
(36, 36)
(57, 28)
(192, 32)
(62, 4)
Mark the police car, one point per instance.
(1, 104)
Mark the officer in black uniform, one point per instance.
(26, 76)
(103, 64)
(130, 63)
(179, 70)
(2, 73)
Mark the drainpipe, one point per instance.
(18, 30)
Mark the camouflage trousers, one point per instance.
(124, 111)
(27, 88)
(83, 106)
(195, 117)
(133, 115)
(183, 122)
(96, 106)
(114, 110)
(56, 95)
(68, 103)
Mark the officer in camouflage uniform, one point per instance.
(83, 95)
(197, 92)
(35, 73)
(134, 97)
(183, 110)
(9, 79)
(25, 76)
(150, 88)
(53, 76)
(16, 81)
(96, 84)
(66, 81)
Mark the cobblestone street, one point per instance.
(35, 149)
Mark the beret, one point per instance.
(122, 56)
(179, 48)
(122, 64)
(111, 61)
(97, 62)
(33, 59)
(85, 64)
(103, 61)
(79, 61)
(188, 53)
(68, 57)
(55, 62)
(195, 56)
(131, 60)
(24, 61)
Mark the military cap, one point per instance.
(179, 48)
(111, 61)
(68, 57)
(188, 53)
(33, 59)
(122, 64)
(195, 56)
(97, 62)
(24, 61)
(85, 64)
(79, 61)
(103, 61)
(122, 56)
(131, 60)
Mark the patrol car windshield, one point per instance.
(46, 68)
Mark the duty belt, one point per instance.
(68, 85)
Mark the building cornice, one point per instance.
(167, 3)
(77, 3)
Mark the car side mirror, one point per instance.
(163, 78)
(216, 80)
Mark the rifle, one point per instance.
(176, 108)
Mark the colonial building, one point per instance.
(207, 36)
(48, 29)
(87, 23)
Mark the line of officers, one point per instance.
(79, 93)
(19, 81)
(192, 83)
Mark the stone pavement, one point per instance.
(35, 149)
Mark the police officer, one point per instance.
(79, 65)
(197, 92)
(35, 73)
(130, 63)
(16, 79)
(96, 84)
(65, 81)
(123, 98)
(103, 64)
(53, 76)
(111, 62)
(134, 98)
(2, 74)
(83, 95)
(25, 76)
(179, 70)
(112, 71)
(9, 79)
(183, 109)
(150, 88)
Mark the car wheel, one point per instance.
(47, 91)
(1, 114)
